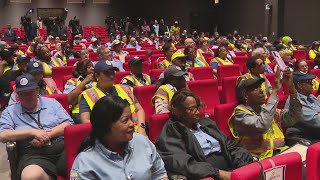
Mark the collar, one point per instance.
(40, 106)
(113, 155)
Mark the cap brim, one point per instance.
(26, 88)
(179, 74)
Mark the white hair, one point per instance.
(257, 52)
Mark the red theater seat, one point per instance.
(241, 60)
(291, 161)
(240, 53)
(137, 53)
(299, 54)
(71, 62)
(145, 64)
(229, 89)
(221, 116)
(144, 95)
(313, 162)
(59, 72)
(228, 71)
(73, 137)
(156, 124)
(155, 73)
(142, 56)
(120, 76)
(200, 73)
(62, 99)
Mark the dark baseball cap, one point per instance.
(103, 65)
(6, 52)
(135, 60)
(246, 83)
(280, 47)
(174, 71)
(26, 82)
(22, 58)
(300, 76)
(34, 66)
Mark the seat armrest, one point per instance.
(13, 158)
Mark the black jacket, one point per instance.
(182, 153)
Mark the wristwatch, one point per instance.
(142, 125)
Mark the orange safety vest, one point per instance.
(263, 144)
(164, 93)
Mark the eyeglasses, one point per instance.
(193, 110)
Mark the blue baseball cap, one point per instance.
(103, 65)
(34, 66)
(22, 58)
(300, 76)
(25, 82)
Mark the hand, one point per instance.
(224, 175)
(41, 135)
(89, 78)
(288, 79)
(277, 81)
(36, 143)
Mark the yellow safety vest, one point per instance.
(92, 95)
(200, 60)
(164, 64)
(221, 61)
(315, 83)
(164, 93)
(75, 108)
(51, 86)
(267, 60)
(313, 53)
(136, 82)
(56, 62)
(264, 144)
(7, 68)
(47, 69)
(63, 57)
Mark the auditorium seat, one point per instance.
(241, 60)
(208, 93)
(313, 162)
(207, 54)
(128, 49)
(310, 64)
(120, 76)
(180, 47)
(62, 99)
(227, 71)
(73, 137)
(155, 73)
(154, 57)
(229, 89)
(157, 52)
(142, 56)
(144, 95)
(282, 101)
(200, 73)
(156, 124)
(221, 116)
(155, 63)
(71, 62)
(315, 72)
(299, 54)
(291, 162)
(240, 53)
(59, 72)
(138, 53)
(145, 64)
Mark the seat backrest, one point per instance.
(71, 62)
(62, 99)
(157, 52)
(310, 64)
(139, 53)
(155, 57)
(291, 161)
(73, 137)
(145, 64)
(59, 72)
(228, 71)
(156, 124)
(155, 73)
(207, 90)
(221, 116)
(229, 89)
(241, 60)
(270, 77)
(240, 53)
(200, 73)
(282, 101)
(129, 49)
(120, 76)
(313, 162)
(144, 95)
(299, 54)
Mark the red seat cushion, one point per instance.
(144, 95)
(156, 124)
(59, 72)
(222, 113)
(155, 73)
(228, 71)
(313, 162)
(200, 73)
(120, 76)
(229, 89)
(241, 60)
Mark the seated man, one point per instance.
(309, 126)
(116, 45)
(137, 77)
(257, 125)
(168, 51)
(37, 124)
(261, 53)
(193, 146)
(46, 85)
(133, 44)
(67, 52)
(105, 54)
(94, 44)
(256, 68)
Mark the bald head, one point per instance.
(189, 42)
(258, 52)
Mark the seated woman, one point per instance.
(204, 47)
(168, 50)
(302, 66)
(238, 47)
(173, 80)
(220, 58)
(193, 146)
(257, 125)
(48, 61)
(112, 142)
(286, 57)
(82, 79)
(194, 59)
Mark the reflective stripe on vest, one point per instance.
(221, 61)
(164, 93)
(51, 86)
(264, 144)
(315, 83)
(165, 63)
(200, 60)
(7, 68)
(136, 82)
(47, 69)
(56, 62)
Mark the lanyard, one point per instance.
(37, 121)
